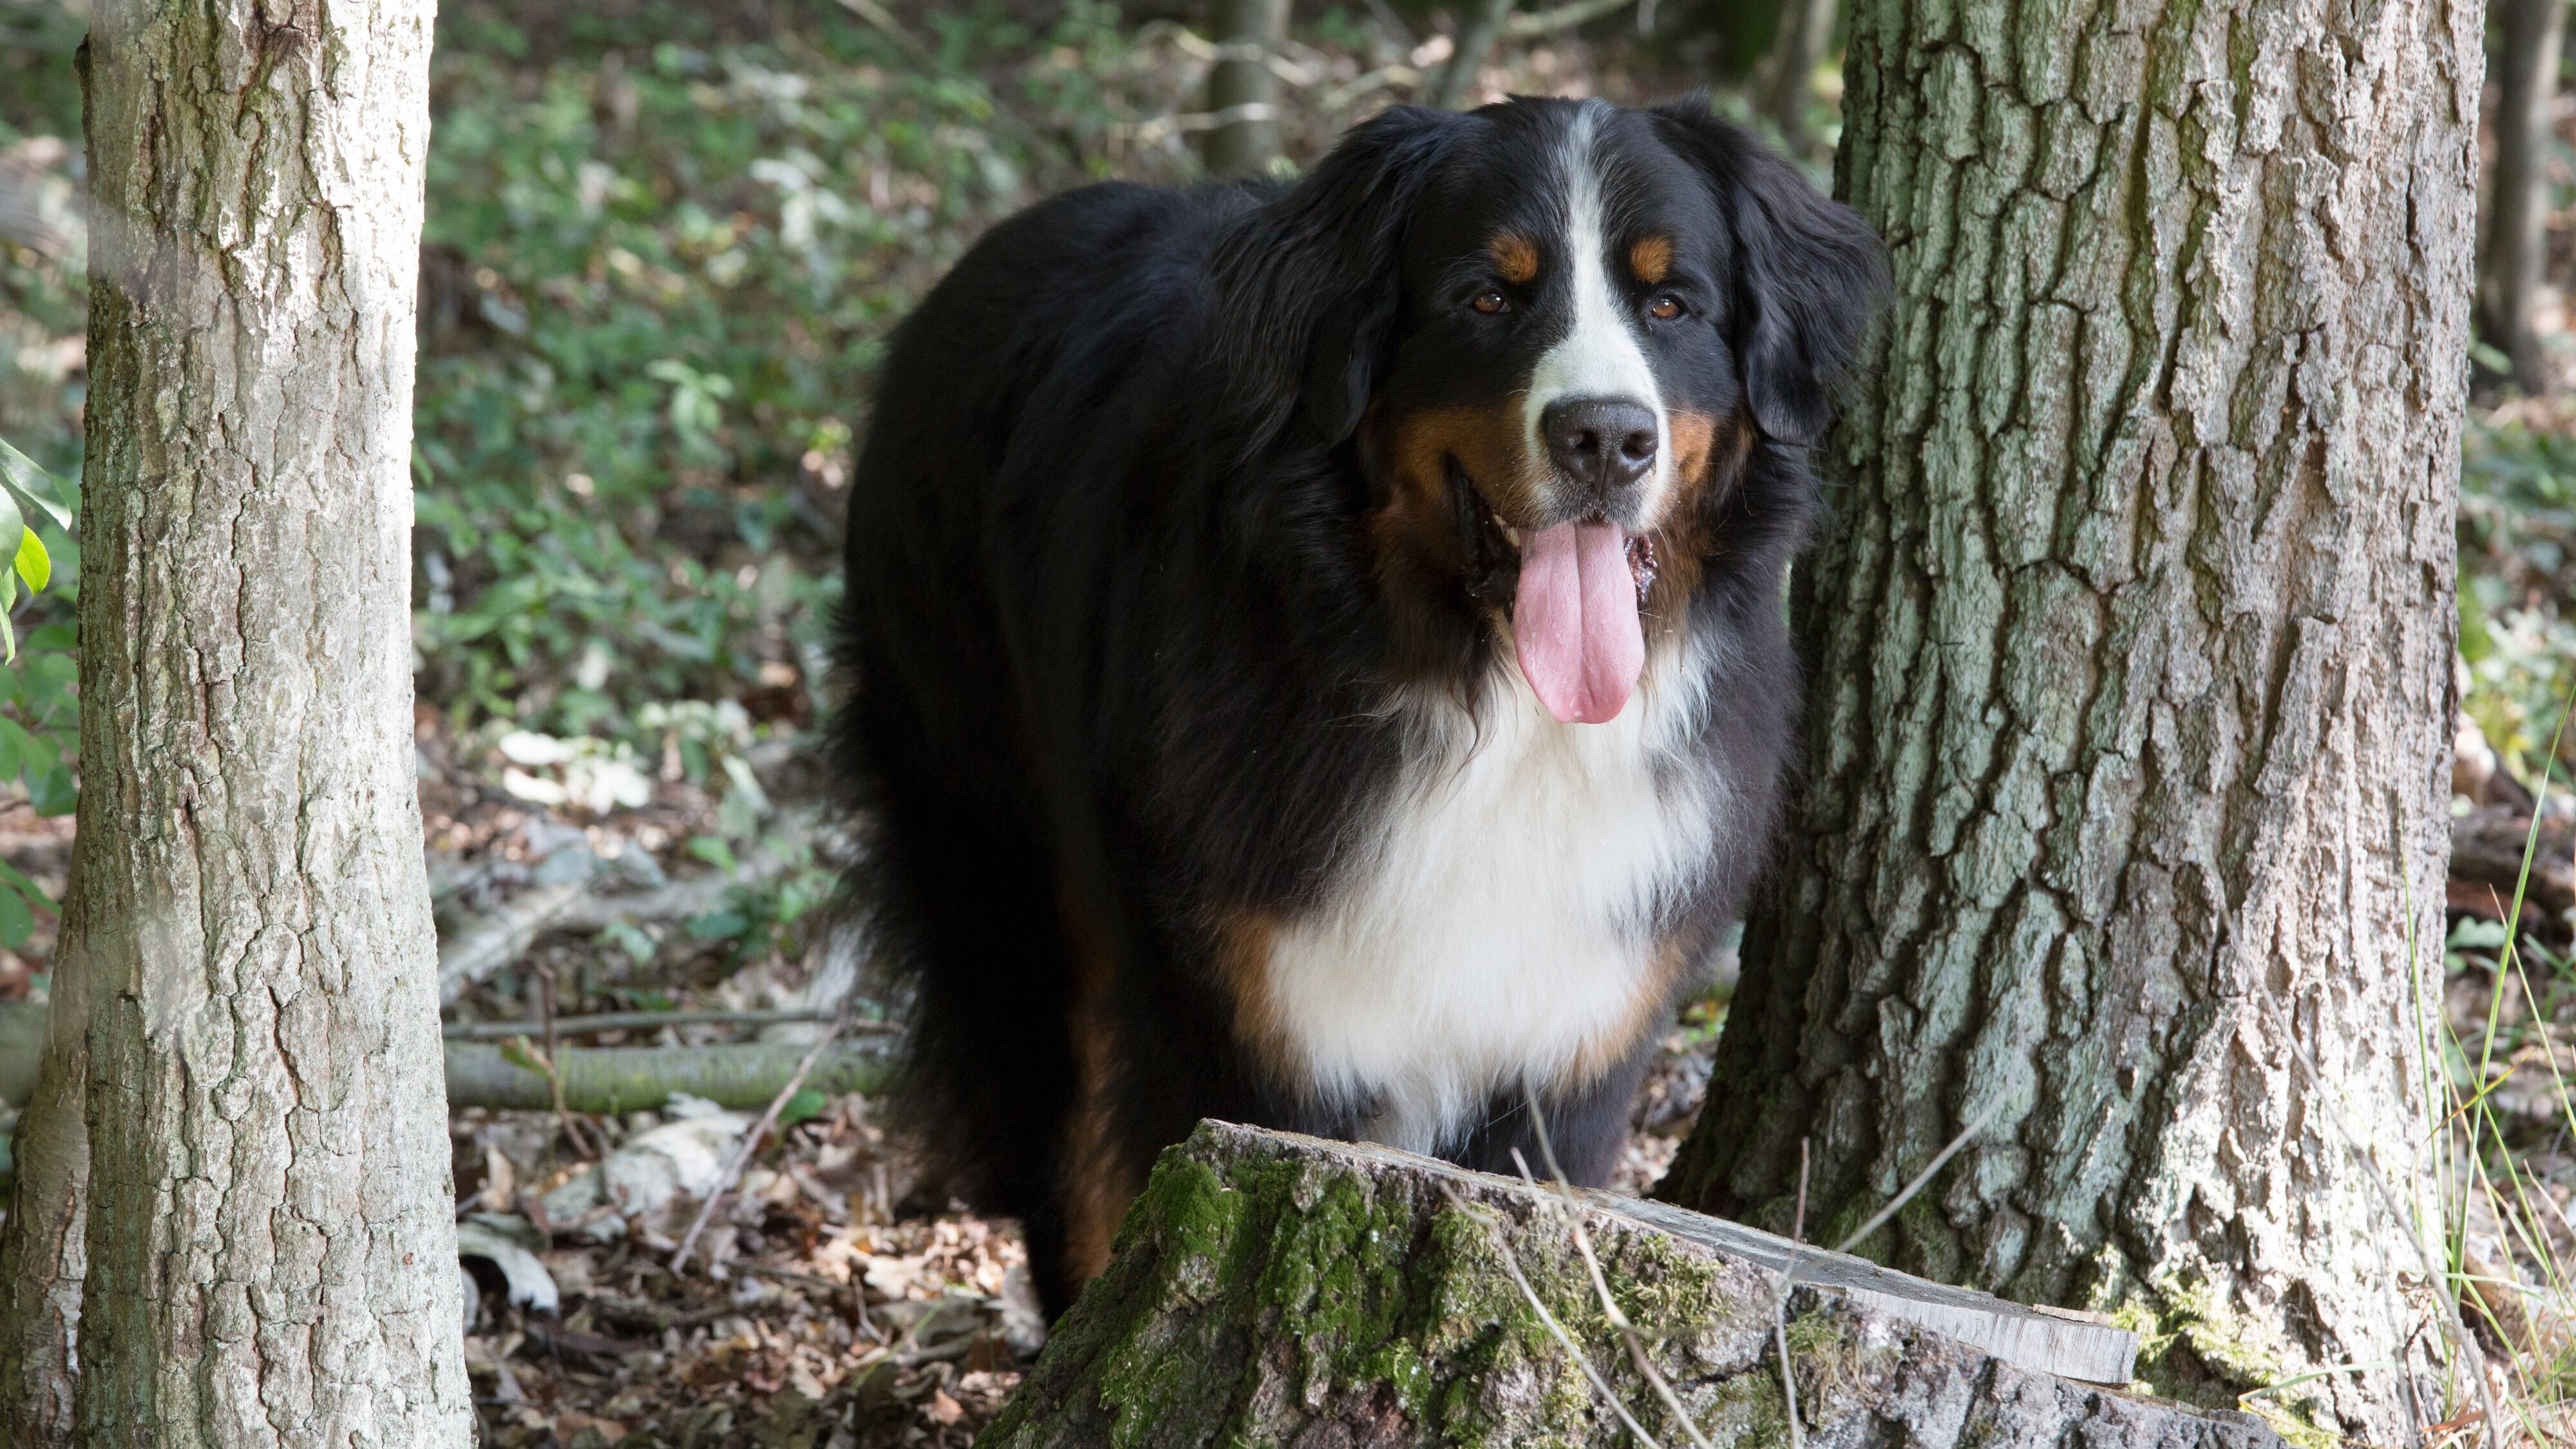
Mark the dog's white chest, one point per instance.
(1501, 930)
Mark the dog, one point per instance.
(1316, 654)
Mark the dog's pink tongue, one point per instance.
(1574, 621)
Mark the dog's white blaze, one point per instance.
(1500, 931)
(1598, 357)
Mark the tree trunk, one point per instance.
(270, 1244)
(1275, 1289)
(2527, 66)
(1242, 93)
(1806, 29)
(2130, 655)
(44, 1248)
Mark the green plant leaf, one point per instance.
(34, 484)
(633, 940)
(17, 879)
(17, 922)
(805, 1106)
(518, 1053)
(13, 527)
(54, 792)
(719, 925)
(34, 564)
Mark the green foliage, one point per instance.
(2517, 533)
(39, 716)
(667, 269)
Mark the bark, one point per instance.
(1243, 94)
(2130, 656)
(269, 1238)
(2527, 66)
(44, 1247)
(1275, 1289)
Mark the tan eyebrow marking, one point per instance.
(1515, 257)
(1651, 259)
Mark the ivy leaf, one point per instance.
(34, 484)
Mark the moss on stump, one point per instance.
(1275, 1289)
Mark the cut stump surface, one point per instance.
(1269, 1288)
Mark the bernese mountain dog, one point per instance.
(1316, 653)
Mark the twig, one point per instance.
(652, 1020)
(1940, 1160)
(2453, 1324)
(1583, 1244)
(554, 1046)
(742, 1153)
(1512, 1267)
(1789, 1267)
(1780, 1306)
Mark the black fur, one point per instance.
(1120, 645)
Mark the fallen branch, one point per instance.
(642, 1079)
(652, 1021)
(736, 1075)
(502, 935)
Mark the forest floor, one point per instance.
(831, 1301)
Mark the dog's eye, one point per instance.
(1489, 302)
(1665, 307)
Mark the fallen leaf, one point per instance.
(531, 1286)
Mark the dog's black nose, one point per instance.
(1604, 443)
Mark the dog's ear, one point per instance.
(1312, 283)
(1809, 271)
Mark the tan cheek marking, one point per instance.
(1488, 442)
(1709, 454)
(1516, 258)
(1651, 259)
(1692, 433)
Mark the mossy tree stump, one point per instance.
(1275, 1289)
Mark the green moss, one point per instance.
(2194, 1347)
(1750, 1413)
(1338, 1291)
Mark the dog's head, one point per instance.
(1552, 330)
